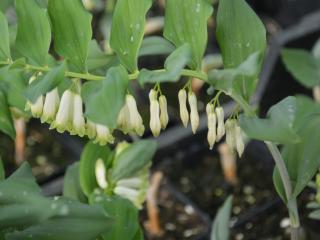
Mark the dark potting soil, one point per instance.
(43, 152)
(179, 218)
(199, 176)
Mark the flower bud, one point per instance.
(64, 116)
(134, 182)
(194, 115)
(100, 172)
(103, 135)
(127, 193)
(316, 93)
(164, 117)
(155, 124)
(184, 114)
(91, 130)
(79, 125)
(51, 106)
(220, 118)
(239, 140)
(135, 120)
(212, 122)
(231, 137)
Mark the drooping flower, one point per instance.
(220, 119)
(239, 140)
(194, 115)
(100, 172)
(164, 117)
(135, 120)
(78, 122)
(103, 135)
(184, 114)
(212, 122)
(123, 119)
(155, 124)
(36, 108)
(231, 137)
(64, 117)
(51, 106)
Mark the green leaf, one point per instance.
(220, 226)
(155, 46)
(2, 171)
(127, 30)
(34, 33)
(97, 58)
(6, 123)
(71, 184)
(104, 99)
(4, 43)
(188, 25)
(132, 159)
(240, 33)
(71, 36)
(316, 49)
(125, 215)
(303, 158)
(303, 66)
(45, 83)
(91, 153)
(227, 79)
(278, 127)
(315, 215)
(14, 83)
(174, 65)
(24, 212)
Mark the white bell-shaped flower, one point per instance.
(51, 106)
(100, 172)
(231, 137)
(155, 124)
(220, 120)
(184, 114)
(135, 120)
(79, 124)
(212, 122)
(164, 117)
(64, 117)
(239, 140)
(36, 108)
(194, 115)
(91, 130)
(103, 135)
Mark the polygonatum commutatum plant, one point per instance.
(50, 72)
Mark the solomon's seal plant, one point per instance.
(55, 60)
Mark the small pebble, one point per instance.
(239, 236)
(170, 226)
(236, 210)
(285, 223)
(189, 209)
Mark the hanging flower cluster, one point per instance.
(66, 114)
(158, 112)
(217, 128)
